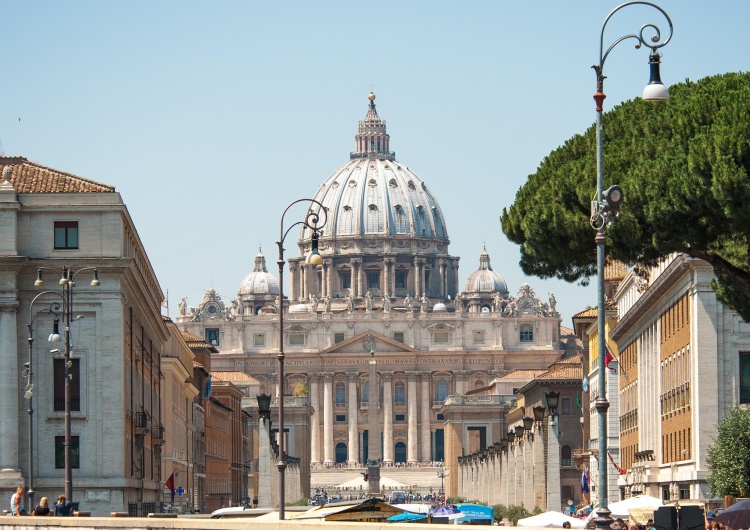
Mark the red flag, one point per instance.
(608, 358)
(170, 483)
(620, 470)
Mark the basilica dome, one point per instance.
(484, 279)
(260, 281)
(374, 197)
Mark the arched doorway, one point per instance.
(341, 453)
(400, 452)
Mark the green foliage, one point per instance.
(683, 166)
(456, 500)
(301, 502)
(300, 389)
(537, 510)
(512, 513)
(728, 458)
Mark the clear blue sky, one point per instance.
(210, 117)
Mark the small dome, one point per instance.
(440, 306)
(484, 279)
(299, 308)
(260, 281)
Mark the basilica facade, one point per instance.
(387, 278)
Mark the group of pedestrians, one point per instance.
(63, 507)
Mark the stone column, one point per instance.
(9, 423)
(528, 472)
(293, 279)
(353, 281)
(303, 284)
(425, 413)
(265, 455)
(328, 277)
(273, 382)
(315, 425)
(360, 279)
(387, 378)
(352, 379)
(554, 495)
(417, 279)
(411, 397)
(328, 457)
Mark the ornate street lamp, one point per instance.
(311, 221)
(519, 433)
(67, 281)
(511, 436)
(538, 413)
(553, 399)
(606, 207)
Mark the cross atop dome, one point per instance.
(372, 140)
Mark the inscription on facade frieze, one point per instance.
(350, 362)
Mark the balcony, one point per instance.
(158, 435)
(141, 423)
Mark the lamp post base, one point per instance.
(373, 481)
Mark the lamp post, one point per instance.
(67, 281)
(605, 208)
(441, 474)
(55, 308)
(311, 221)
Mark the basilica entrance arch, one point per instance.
(341, 453)
(400, 452)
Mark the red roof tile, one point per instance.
(30, 177)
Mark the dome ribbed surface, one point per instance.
(484, 279)
(260, 281)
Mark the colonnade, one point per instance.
(419, 415)
(304, 280)
(524, 472)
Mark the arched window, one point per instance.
(478, 384)
(400, 395)
(340, 393)
(341, 453)
(400, 452)
(441, 390)
(565, 456)
(366, 392)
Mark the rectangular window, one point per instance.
(398, 336)
(400, 418)
(60, 452)
(440, 417)
(296, 339)
(373, 280)
(440, 337)
(684, 492)
(400, 398)
(527, 334)
(59, 385)
(338, 337)
(341, 418)
(346, 281)
(212, 336)
(340, 394)
(66, 234)
(744, 377)
(478, 337)
(400, 279)
(565, 406)
(260, 339)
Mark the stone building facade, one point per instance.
(681, 358)
(387, 275)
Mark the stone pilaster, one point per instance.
(315, 426)
(425, 413)
(9, 397)
(352, 379)
(412, 447)
(328, 454)
(387, 378)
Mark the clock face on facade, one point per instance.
(212, 309)
(526, 305)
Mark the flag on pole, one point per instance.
(207, 391)
(608, 359)
(585, 384)
(170, 485)
(585, 480)
(165, 302)
(579, 403)
(620, 470)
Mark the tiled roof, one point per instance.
(591, 312)
(30, 177)
(521, 374)
(190, 337)
(564, 372)
(615, 270)
(233, 377)
(566, 331)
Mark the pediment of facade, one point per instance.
(360, 344)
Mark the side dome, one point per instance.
(375, 197)
(260, 281)
(484, 279)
